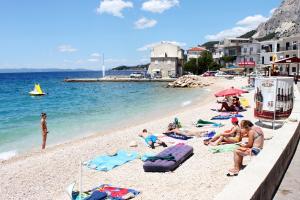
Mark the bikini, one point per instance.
(255, 150)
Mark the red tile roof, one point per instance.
(197, 49)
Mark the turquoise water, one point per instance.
(76, 109)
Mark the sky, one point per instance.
(70, 34)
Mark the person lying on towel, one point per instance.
(151, 139)
(229, 136)
(191, 131)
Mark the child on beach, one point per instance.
(151, 139)
(230, 136)
(44, 129)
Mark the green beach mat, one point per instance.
(223, 148)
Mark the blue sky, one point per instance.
(74, 34)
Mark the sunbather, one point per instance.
(231, 105)
(172, 128)
(253, 147)
(151, 139)
(230, 136)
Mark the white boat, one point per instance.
(37, 91)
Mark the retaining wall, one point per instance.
(262, 176)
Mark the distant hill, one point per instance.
(248, 34)
(137, 67)
(28, 70)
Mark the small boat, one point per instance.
(37, 91)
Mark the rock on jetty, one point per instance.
(189, 81)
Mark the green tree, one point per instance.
(228, 59)
(191, 66)
(202, 64)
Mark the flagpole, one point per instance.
(103, 67)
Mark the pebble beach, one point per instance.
(46, 174)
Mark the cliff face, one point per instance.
(285, 21)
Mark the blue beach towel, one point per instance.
(209, 135)
(177, 136)
(225, 117)
(106, 163)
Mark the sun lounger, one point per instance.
(171, 158)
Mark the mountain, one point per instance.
(284, 22)
(27, 70)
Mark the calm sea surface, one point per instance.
(76, 109)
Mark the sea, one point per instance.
(76, 110)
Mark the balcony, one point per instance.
(291, 48)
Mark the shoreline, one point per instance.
(56, 167)
(110, 129)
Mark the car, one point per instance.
(137, 75)
(209, 73)
(255, 74)
(223, 74)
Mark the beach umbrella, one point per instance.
(230, 92)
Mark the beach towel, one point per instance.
(244, 102)
(112, 193)
(106, 163)
(203, 123)
(209, 135)
(146, 156)
(170, 140)
(225, 117)
(223, 148)
(178, 136)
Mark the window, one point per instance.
(262, 60)
(251, 49)
(271, 58)
(287, 56)
(293, 69)
(294, 55)
(245, 50)
(295, 45)
(251, 59)
(280, 69)
(278, 47)
(287, 46)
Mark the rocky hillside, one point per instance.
(284, 22)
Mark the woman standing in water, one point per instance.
(44, 129)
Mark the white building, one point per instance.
(166, 60)
(194, 52)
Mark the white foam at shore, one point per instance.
(7, 155)
(185, 103)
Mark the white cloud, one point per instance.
(66, 48)
(159, 6)
(243, 26)
(151, 45)
(143, 23)
(252, 21)
(93, 60)
(114, 7)
(95, 55)
(272, 11)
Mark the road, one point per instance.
(290, 185)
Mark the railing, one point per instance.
(291, 48)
